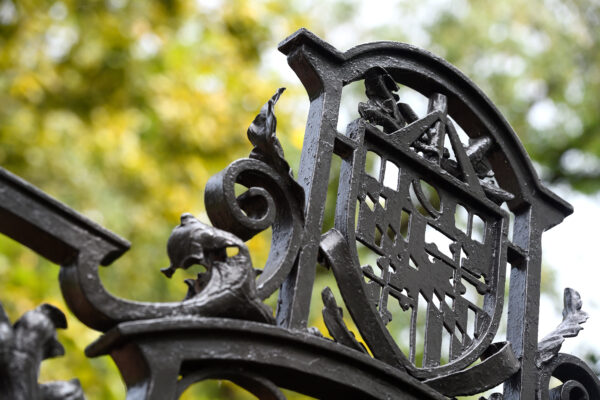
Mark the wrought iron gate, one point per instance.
(425, 264)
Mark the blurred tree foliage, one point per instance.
(540, 63)
(123, 110)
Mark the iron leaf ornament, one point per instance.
(573, 318)
(333, 316)
(261, 134)
(267, 148)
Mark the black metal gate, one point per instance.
(425, 264)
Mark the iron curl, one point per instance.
(270, 201)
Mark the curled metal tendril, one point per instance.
(578, 381)
(268, 202)
(273, 199)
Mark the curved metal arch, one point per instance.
(576, 377)
(324, 71)
(261, 387)
(152, 354)
(427, 73)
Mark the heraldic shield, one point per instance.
(423, 212)
(427, 208)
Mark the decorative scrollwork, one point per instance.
(578, 381)
(449, 273)
(441, 270)
(334, 321)
(570, 326)
(227, 288)
(273, 199)
(23, 347)
(263, 388)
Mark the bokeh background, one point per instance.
(123, 109)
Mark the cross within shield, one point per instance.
(421, 225)
(424, 230)
(432, 245)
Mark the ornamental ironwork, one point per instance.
(424, 210)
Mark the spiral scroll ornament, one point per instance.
(273, 199)
(578, 381)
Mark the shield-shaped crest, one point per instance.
(421, 216)
(420, 213)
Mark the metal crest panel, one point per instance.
(403, 209)
(422, 235)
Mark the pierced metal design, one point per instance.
(432, 210)
(436, 260)
(481, 177)
(23, 347)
